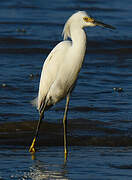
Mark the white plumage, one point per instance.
(61, 68)
(62, 65)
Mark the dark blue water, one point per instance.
(100, 107)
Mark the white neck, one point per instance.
(78, 38)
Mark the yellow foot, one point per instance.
(32, 149)
(65, 155)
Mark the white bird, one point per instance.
(61, 68)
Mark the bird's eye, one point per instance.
(88, 19)
(85, 19)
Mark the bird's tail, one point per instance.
(34, 102)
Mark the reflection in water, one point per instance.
(83, 163)
(41, 170)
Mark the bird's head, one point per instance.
(82, 19)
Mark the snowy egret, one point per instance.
(61, 68)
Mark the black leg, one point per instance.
(32, 147)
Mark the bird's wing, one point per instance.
(49, 71)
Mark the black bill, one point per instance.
(98, 23)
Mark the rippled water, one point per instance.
(83, 163)
(100, 107)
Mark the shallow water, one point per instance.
(83, 163)
(100, 107)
